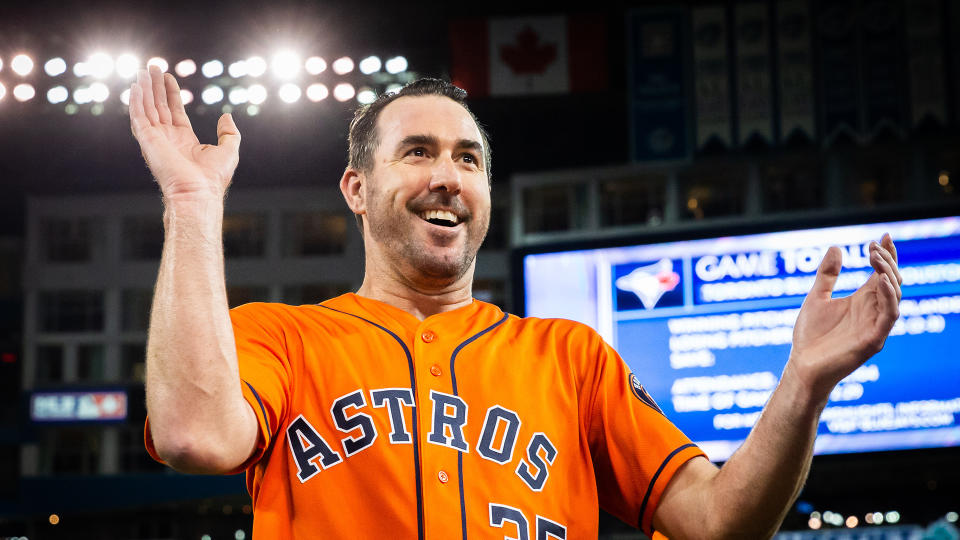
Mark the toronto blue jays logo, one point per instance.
(650, 282)
(641, 393)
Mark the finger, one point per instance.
(827, 273)
(887, 304)
(177, 113)
(138, 119)
(891, 259)
(887, 243)
(160, 94)
(149, 110)
(882, 262)
(228, 135)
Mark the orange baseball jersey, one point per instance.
(468, 424)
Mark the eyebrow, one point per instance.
(431, 140)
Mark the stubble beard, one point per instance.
(393, 230)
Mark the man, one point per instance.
(411, 410)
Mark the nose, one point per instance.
(445, 176)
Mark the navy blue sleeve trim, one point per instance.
(653, 482)
(416, 430)
(263, 411)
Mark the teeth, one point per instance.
(440, 214)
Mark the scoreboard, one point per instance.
(706, 326)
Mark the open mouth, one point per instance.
(442, 218)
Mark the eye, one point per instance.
(418, 152)
(470, 158)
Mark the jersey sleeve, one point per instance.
(260, 334)
(636, 450)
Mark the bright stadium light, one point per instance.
(257, 94)
(186, 96)
(366, 96)
(211, 69)
(370, 64)
(315, 65)
(185, 68)
(159, 62)
(125, 97)
(3, 91)
(238, 69)
(342, 65)
(212, 94)
(317, 92)
(82, 96)
(127, 66)
(253, 110)
(238, 95)
(99, 92)
(21, 65)
(343, 92)
(397, 64)
(289, 93)
(24, 92)
(101, 65)
(58, 94)
(55, 67)
(256, 66)
(285, 64)
(81, 69)
(1, 64)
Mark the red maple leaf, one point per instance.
(526, 55)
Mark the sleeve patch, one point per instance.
(641, 393)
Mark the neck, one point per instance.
(418, 297)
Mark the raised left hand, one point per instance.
(835, 336)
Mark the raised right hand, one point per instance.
(182, 166)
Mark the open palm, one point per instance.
(181, 165)
(834, 336)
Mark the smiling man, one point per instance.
(410, 409)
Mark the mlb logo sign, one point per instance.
(647, 285)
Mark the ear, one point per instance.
(352, 187)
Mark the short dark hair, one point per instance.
(364, 139)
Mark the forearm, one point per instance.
(753, 491)
(194, 397)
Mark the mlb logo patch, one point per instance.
(641, 393)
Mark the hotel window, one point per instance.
(71, 450)
(244, 235)
(90, 363)
(68, 240)
(142, 238)
(133, 357)
(314, 233)
(713, 191)
(554, 208)
(70, 311)
(135, 309)
(49, 364)
(633, 201)
(793, 184)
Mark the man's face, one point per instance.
(427, 195)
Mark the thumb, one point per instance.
(827, 273)
(227, 133)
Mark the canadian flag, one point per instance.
(529, 55)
